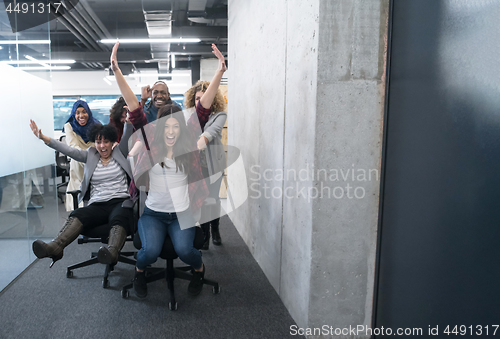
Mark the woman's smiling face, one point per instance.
(81, 116)
(172, 131)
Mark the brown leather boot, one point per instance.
(109, 254)
(54, 249)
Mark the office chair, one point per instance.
(62, 170)
(101, 234)
(170, 273)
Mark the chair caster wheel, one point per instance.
(172, 307)
(105, 283)
(216, 290)
(69, 274)
(125, 294)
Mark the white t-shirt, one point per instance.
(168, 189)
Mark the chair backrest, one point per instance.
(62, 161)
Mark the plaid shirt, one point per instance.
(197, 187)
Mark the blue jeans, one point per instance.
(154, 228)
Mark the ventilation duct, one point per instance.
(158, 18)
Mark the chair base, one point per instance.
(170, 273)
(122, 257)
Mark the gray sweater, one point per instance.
(216, 156)
(91, 157)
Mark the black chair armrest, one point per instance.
(129, 203)
(74, 193)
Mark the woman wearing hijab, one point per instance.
(78, 124)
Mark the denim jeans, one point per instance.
(154, 228)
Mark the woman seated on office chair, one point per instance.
(170, 164)
(106, 180)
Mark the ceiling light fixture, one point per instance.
(150, 41)
(154, 75)
(173, 60)
(30, 62)
(30, 58)
(51, 68)
(24, 42)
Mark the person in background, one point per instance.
(76, 128)
(160, 96)
(118, 115)
(213, 160)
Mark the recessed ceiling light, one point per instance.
(24, 42)
(51, 68)
(150, 41)
(31, 62)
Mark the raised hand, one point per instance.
(113, 59)
(38, 132)
(145, 92)
(222, 63)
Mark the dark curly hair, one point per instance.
(115, 116)
(115, 113)
(98, 132)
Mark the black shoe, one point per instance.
(216, 237)
(196, 283)
(140, 285)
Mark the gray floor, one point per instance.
(43, 303)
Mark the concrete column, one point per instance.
(306, 101)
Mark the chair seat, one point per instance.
(168, 251)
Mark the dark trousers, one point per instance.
(109, 212)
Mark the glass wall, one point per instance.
(28, 197)
(99, 104)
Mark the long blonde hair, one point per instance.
(219, 103)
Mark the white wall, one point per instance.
(307, 95)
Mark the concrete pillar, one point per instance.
(306, 101)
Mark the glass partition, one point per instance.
(99, 104)
(28, 185)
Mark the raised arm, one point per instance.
(208, 97)
(38, 132)
(125, 89)
(78, 155)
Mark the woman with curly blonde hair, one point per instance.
(213, 158)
